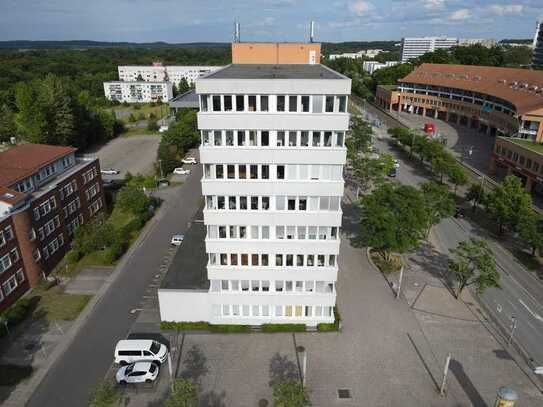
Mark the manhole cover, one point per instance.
(343, 393)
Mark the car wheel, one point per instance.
(148, 380)
(123, 382)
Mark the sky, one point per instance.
(180, 21)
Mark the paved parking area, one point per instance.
(134, 154)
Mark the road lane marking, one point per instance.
(536, 316)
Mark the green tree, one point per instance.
(132, 118)
(7, 123)
(183, 86)
(152, 125)
(508, 203)
(473, 263)
(476, 194)
(457, 176)
(131, 198)
(30, 119)
(393, 219)
(371, 171)
(105, 395)
(441, 164)
(359, 138)
(184, 394)
(529, 230)
(439, 203)
(290, 394)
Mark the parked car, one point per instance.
(110, 171)
(137, 350)
(189, 160)
(139, 372)
(393, 172)
(181, 171)
(177, 240)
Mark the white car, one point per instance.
(181, 171)
(177, 240)
(139, 372)
(189, 160)
(110, 171)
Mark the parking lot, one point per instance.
(135, 154)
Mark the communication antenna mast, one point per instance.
(236, 31)
(312, 32)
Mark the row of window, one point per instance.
(274, 103)
(525, 162)
(6, 235)
(89, 175)
(45, 208)
(95, 206)
(72, 207)
(299, 286)
(53, 246)
(277, 232)
(68, 189)
(49, 227)
(11, 284)
(8, 260)
(291, 172)
(281, 260)
(279, 203)
(270, 311)
(265, 138)
(92, 191)
(72, 226)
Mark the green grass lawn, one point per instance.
(135, 131)
(146, 109)
(55, 305)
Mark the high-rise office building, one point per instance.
(415, 47)
(537, 56)
(273, 151)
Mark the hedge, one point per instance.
(229, 329)
(204, 326)
(334, 326)
(271, 328)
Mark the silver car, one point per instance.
(139, 372)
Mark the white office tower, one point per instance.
(537, 57)
(273, 151)
(415, 47)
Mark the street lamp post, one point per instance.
(160, 165)
(513, 328)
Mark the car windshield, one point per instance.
(155, 347)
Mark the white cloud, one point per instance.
(360, 7)
(433, 4)
(460, 15)
(504, 9)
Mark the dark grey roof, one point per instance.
(270, 71)
(187, 99)
(188, 267)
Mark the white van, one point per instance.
(136, 350)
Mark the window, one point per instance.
(224, 259)
(279, 232)
(5, 263)
(244, 285)
(305, 103)
(233, 259)
(252, 103)
(291, 203)
(222, 232)
(302, 203)
(265, 172)
(280, 172)
(216, 103)
(254, 232)
(279, 285)
(264, 259)
(301, 232)
(263, 103)
(252, 137)
(280, 203)
(254, 203)
(219, 171)
(292, 103)
(242, 171)
(342, 104)
(329, 105)
(228, 103)
(243, 232)
(254, 171)
(289, 260)
(278, 259)
(316, 140)
(327, 138)
(217, 138)
(245, 259)
(304, 139)
(265, 232)
(240, 103)
(241, 137)
(233, 232)
(317, 103)
(280, 138)
(299, 260)
(229, 138)
(339, 139)
(231, 171)
(9, 286)
(265, 138)
(292, 139)
(220, 202)
(280, 103)
(9, 233)
(243, 202)
(203, 102)
(265, 203)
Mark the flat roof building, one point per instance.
(138, 92)
(273, 151)
(46, 193)
(414, 47)
(159, 73)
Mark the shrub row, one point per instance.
(204, 326)
(334, 326)
(271, 328)
(17, 312)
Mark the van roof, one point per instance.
(132, 344)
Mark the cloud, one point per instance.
(360, 7)
(433, 4)
(505, 9)
(460, 15)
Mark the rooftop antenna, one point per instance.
(236, 31)
(312, 32)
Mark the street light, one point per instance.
(513, 328)
(160, 165)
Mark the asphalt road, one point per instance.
(521, 294)
(87, 359)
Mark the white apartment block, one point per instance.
(369, 53)
(273, 151)
(138, 92)
(372, 66)
(159, 73)
(415, 47)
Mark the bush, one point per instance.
(230, 329)
(152, 125)
(271, 328)
(201, 325)
(141, 116)
(132, 118)
(19, 310)
(334, 326)
(73, 256)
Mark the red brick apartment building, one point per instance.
(46, 192)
